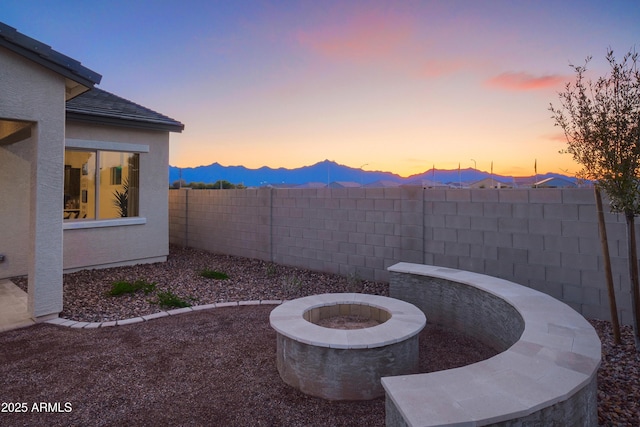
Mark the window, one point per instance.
(100, 184)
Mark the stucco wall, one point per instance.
(14, 208)
(546, 239)
(32, 93)
(101, 247)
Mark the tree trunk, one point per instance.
(613, 308)
(633, 276)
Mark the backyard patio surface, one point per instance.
(13, 307)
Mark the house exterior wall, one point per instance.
(15, 176)
(32, 93)
(546, 239)
(127, 244)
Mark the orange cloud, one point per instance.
(557, 137)
(525, 81)
(366, 37)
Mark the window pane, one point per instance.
(116, 193)
(118, 188)
(79, 184)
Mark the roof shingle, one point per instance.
(98, 105)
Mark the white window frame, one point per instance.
(91, 145)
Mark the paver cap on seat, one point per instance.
(549, 369)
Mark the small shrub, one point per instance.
(212, 274)
(271, 269)
(354, 283)
(122, 287)
(291, 285)
(170, 300)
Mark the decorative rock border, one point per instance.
(340, 364)
(546, 373)
(60, 321)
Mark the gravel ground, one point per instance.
(152, 373)
(216, 367)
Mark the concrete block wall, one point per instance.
(546, 239)
(355, 232)
(234, 222)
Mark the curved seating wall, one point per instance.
(545, 373)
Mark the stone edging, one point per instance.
(546, 372)
(60, 321)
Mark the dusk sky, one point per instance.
(398, 86)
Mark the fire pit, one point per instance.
(345, 363)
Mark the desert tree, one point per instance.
(601, 121)
(179, 183)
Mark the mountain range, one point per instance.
(328, 171)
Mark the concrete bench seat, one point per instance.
(544, 374)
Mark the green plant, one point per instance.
(212, 274)
(170, 300)
(122, 287)
(354, 282)
(291, 284)
(121, 199)
(601, 122)
(270, 269)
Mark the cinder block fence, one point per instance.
(546, 239)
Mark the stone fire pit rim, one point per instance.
(406, 321)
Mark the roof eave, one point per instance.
(113, 121)
(42, 54)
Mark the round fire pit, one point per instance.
(345, 363)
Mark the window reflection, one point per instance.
(117, 190)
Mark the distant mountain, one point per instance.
(327, 172)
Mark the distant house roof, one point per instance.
(427, 183)
(281, 185)
(42, 54)
(555, 182)
(100, 106)
(344, 184)
(524, 181)
(311, 185)
(382, 183)
(490, 183)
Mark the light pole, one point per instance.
(474, 164)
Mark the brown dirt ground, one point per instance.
(215, 367)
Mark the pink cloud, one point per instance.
(439, 68)
(557, 137)
(366, 37)
(525, 81)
